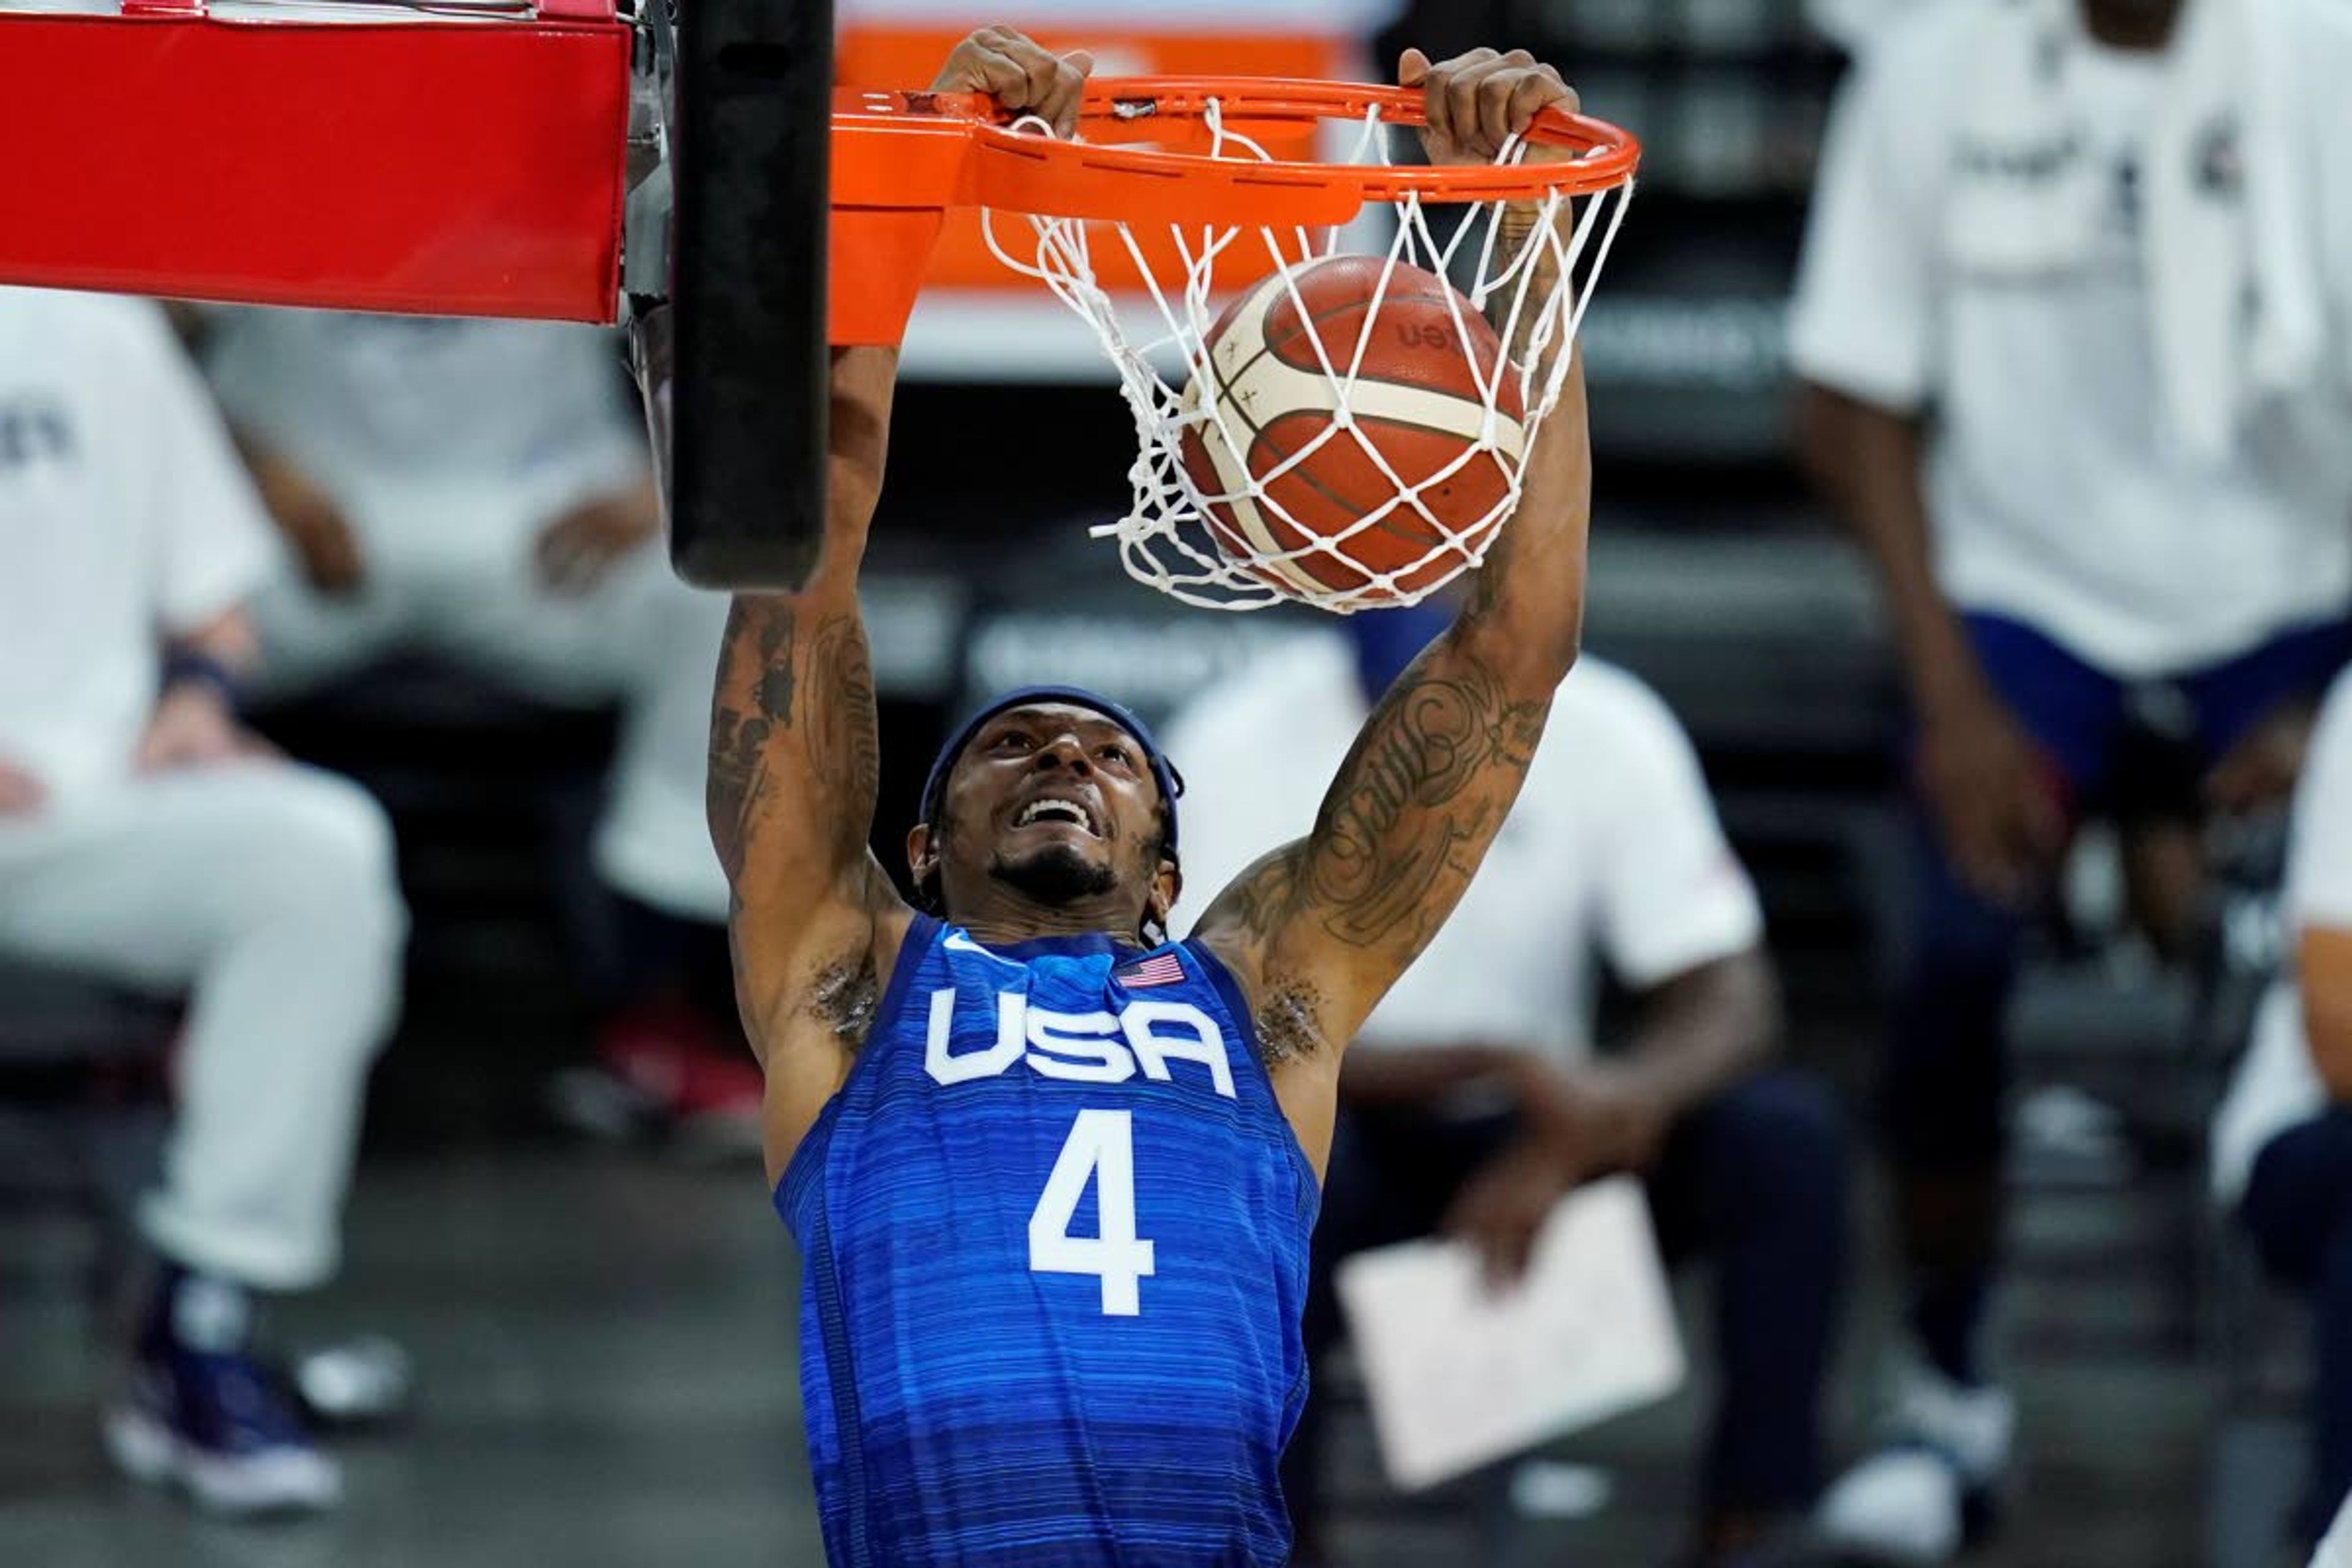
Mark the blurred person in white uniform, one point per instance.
(1474, 1099)
(147, 839)
(2065, 375)
(1852, 24)
(483, 490)
(2282, 1143)
(2302, 57)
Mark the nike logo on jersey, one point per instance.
(1150, 1037)
(957, 942)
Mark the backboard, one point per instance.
(469, 158)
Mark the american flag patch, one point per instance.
(1159, 969)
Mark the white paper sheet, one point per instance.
(2335, 1550)
(1460, 1377)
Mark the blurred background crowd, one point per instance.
(1937, 882)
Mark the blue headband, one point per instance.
(1172, 783)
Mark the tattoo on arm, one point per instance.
(1265, 896)
(1267, 892)
(840, 667)
(792, 732)
(1415, 805)
(1325, 924)
(745, 715)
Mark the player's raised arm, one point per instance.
(1319, 929)
(794, 755)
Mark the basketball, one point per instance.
(1416, 407)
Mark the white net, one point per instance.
(1251, 521)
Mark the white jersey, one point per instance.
(124, 517)
(2277, 1084)
(2314, 47)
(1853, 24)
(2059, 492)
(443, 441)
(1613, 849)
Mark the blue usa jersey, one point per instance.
(1054, 1233)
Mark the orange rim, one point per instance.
(1096, 177)
(1608, 154)
(902, 159)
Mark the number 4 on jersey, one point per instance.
(1101, 1147)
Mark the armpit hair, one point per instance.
(844, 999)
(1285, 1023)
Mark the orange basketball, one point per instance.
(1415, 402)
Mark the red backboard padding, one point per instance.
(468, 168)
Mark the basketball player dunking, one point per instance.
(1052, 1176)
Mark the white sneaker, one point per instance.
(1974, 1427)
(1899, 1506)
(1910, 1502)
(210, 1424)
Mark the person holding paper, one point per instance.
(1472, 1103)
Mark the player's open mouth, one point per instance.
(1049, 808)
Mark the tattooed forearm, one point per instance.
(1417, 802)
(752, 701)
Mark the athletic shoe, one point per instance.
(210, 1421)
(201, 1412)
(664, 1071)
(1926, 1494)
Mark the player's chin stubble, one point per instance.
(1055, 876)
